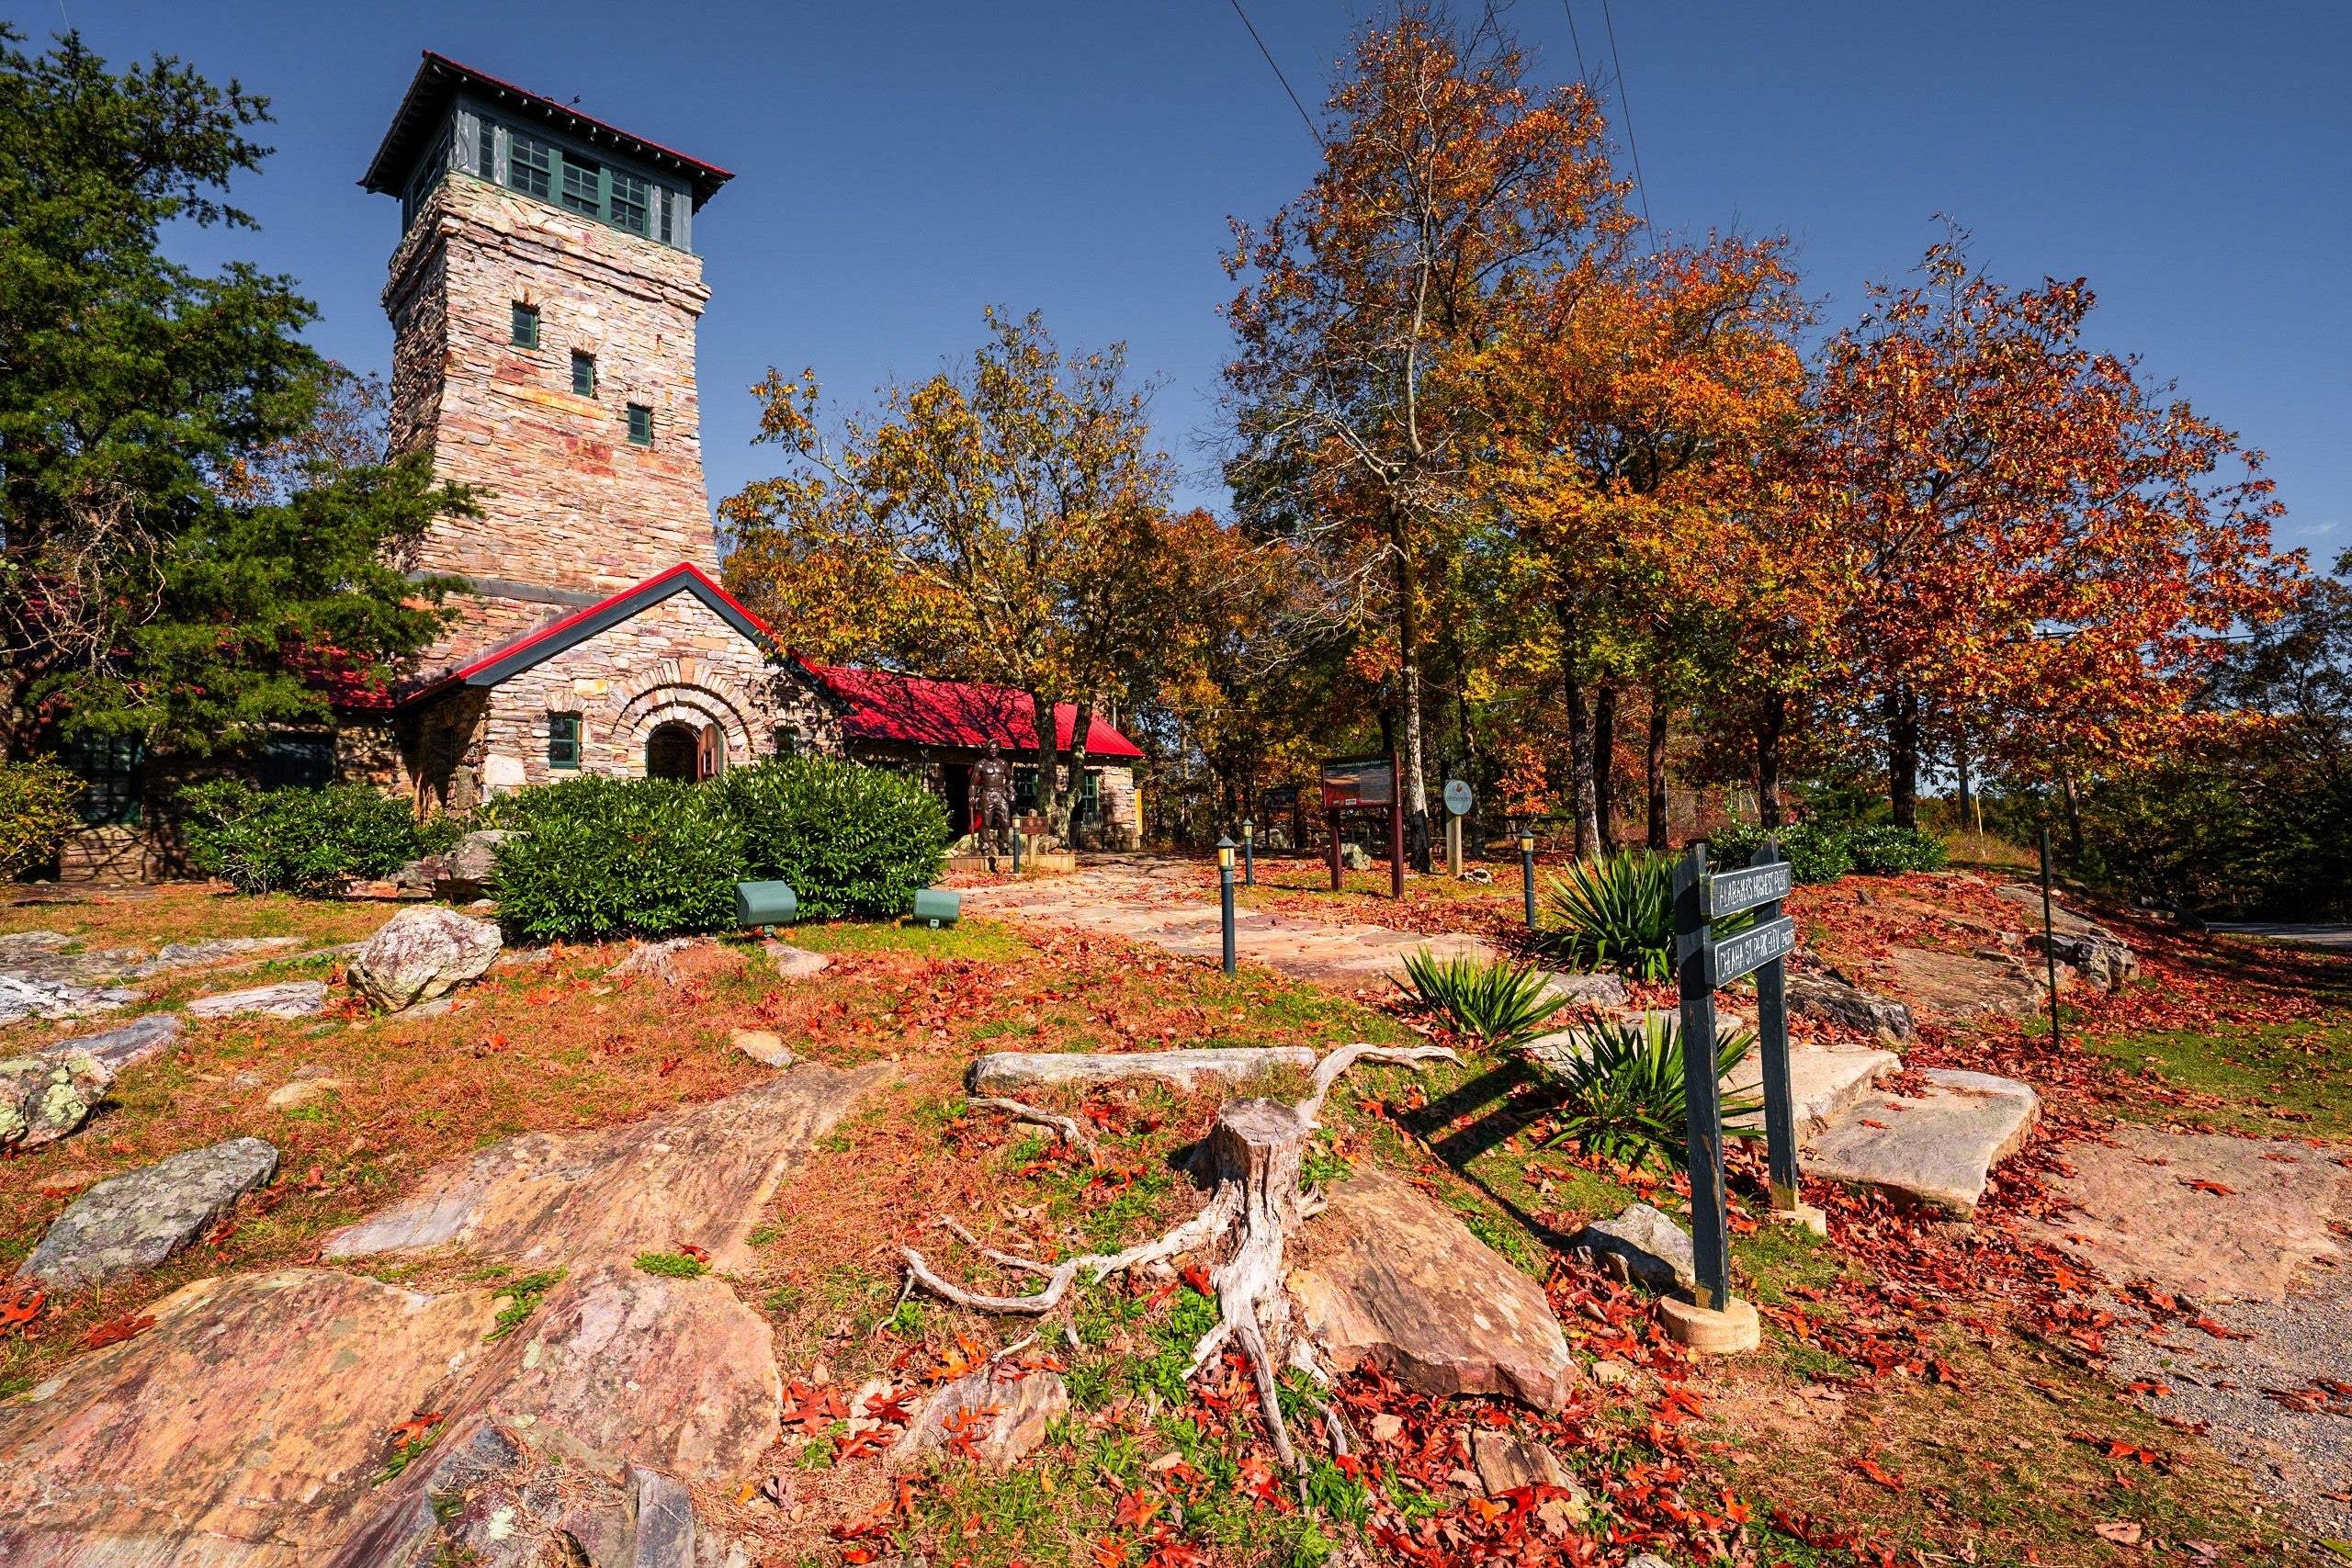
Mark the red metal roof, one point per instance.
(884, 706)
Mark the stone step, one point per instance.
(1825, 1081)
(1937, 1149)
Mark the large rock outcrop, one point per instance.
(1387, 1275)
(421, 954)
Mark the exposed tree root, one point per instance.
(1251, 1158)
(1067, 1127)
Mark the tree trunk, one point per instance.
(1604, 767)
(1769, 722)
(1902, 756)
(1960, 764)
(1066, 809)
(1414, 792)
(1654, 768)
(1581, 796)
(2073, 815)
(1049, 757)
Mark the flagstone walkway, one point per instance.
(1163, 903)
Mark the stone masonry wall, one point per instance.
(569, 503)
(676, 660)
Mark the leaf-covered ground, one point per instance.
(1922, 1394)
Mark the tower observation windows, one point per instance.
(627, 206)
(583, 185)
(531, 168)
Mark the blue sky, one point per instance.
(898, 166)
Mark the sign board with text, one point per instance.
(1363, 781)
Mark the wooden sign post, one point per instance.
(1359, 783)
(1716, 1320)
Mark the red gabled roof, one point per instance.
(519, 653)
(884, 706)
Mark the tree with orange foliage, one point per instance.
(1007, 525)
(2024, 538)
(1634, 411)
(1446, 187)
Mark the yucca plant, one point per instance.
(1623, 1093)
(1503, 1003)
(1617, 912)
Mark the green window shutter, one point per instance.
(640, 424)
(584, 374)
(525, 333)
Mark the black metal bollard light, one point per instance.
(1225, 895)
(1527, 873)
(1248, 853)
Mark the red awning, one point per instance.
(955, 713)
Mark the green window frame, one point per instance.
(525, 329)
(583, 187)
(112, 773)
(625, 205)
(530, 165)
(584, 375)
(563, 742)
(640, 426)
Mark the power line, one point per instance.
(1582, 75)
(1641, 186)
(1304, 118)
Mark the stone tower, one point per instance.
(544, 297)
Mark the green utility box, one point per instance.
(937, 907)
(765, 904)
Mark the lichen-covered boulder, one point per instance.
(421, 954)
(132, 1223)
(44, 1097)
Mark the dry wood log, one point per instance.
(1070, 1132)
(1251, 1160)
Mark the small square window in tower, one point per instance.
(640, 426)
(584, 375)
(563, 740)
(530, 165)
(525, 333)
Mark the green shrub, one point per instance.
(1891, 851)
(1814, 853)
(1503, 1003)
(301, 840)
(1623, 1094)
(1618, 911)
(849, 840)
(598, 856)
(37, 814)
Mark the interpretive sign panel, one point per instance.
(1458, 798)
(1369, 781)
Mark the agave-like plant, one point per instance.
(1503, 1003)
(1614, 912)
(1623, 1094)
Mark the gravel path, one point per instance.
(2303, 1459)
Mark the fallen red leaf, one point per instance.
(115, 1330)
(1871, 1469)
(2213, 1186)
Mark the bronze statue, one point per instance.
(991, 803)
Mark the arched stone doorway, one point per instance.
(674, 751)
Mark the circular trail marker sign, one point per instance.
(1458, 796)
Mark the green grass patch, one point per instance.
(2276, 1079)
(673, 1265)
(981, 940)
(528, 1291)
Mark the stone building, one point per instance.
(544, 295)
